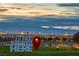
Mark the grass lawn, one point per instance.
(43, 51)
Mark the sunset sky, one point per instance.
(32, 10)
(39, 17)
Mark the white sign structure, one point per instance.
(21, 44)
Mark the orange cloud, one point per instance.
(32, 10)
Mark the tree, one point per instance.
(56, 40)
(64, 39)
(50, 41)
(76, 37)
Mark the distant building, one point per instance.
(5, 39)
(22, 43)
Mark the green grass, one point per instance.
(4, 50)
(43, 51)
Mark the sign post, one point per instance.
(36, 42)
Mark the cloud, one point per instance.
(62, 27)
(34, 10)
(69, 5)
(2, 10)
(67, 27)
(72, 9)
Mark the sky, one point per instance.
(30, 10)
(39, 9)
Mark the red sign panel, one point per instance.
(36, 42)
